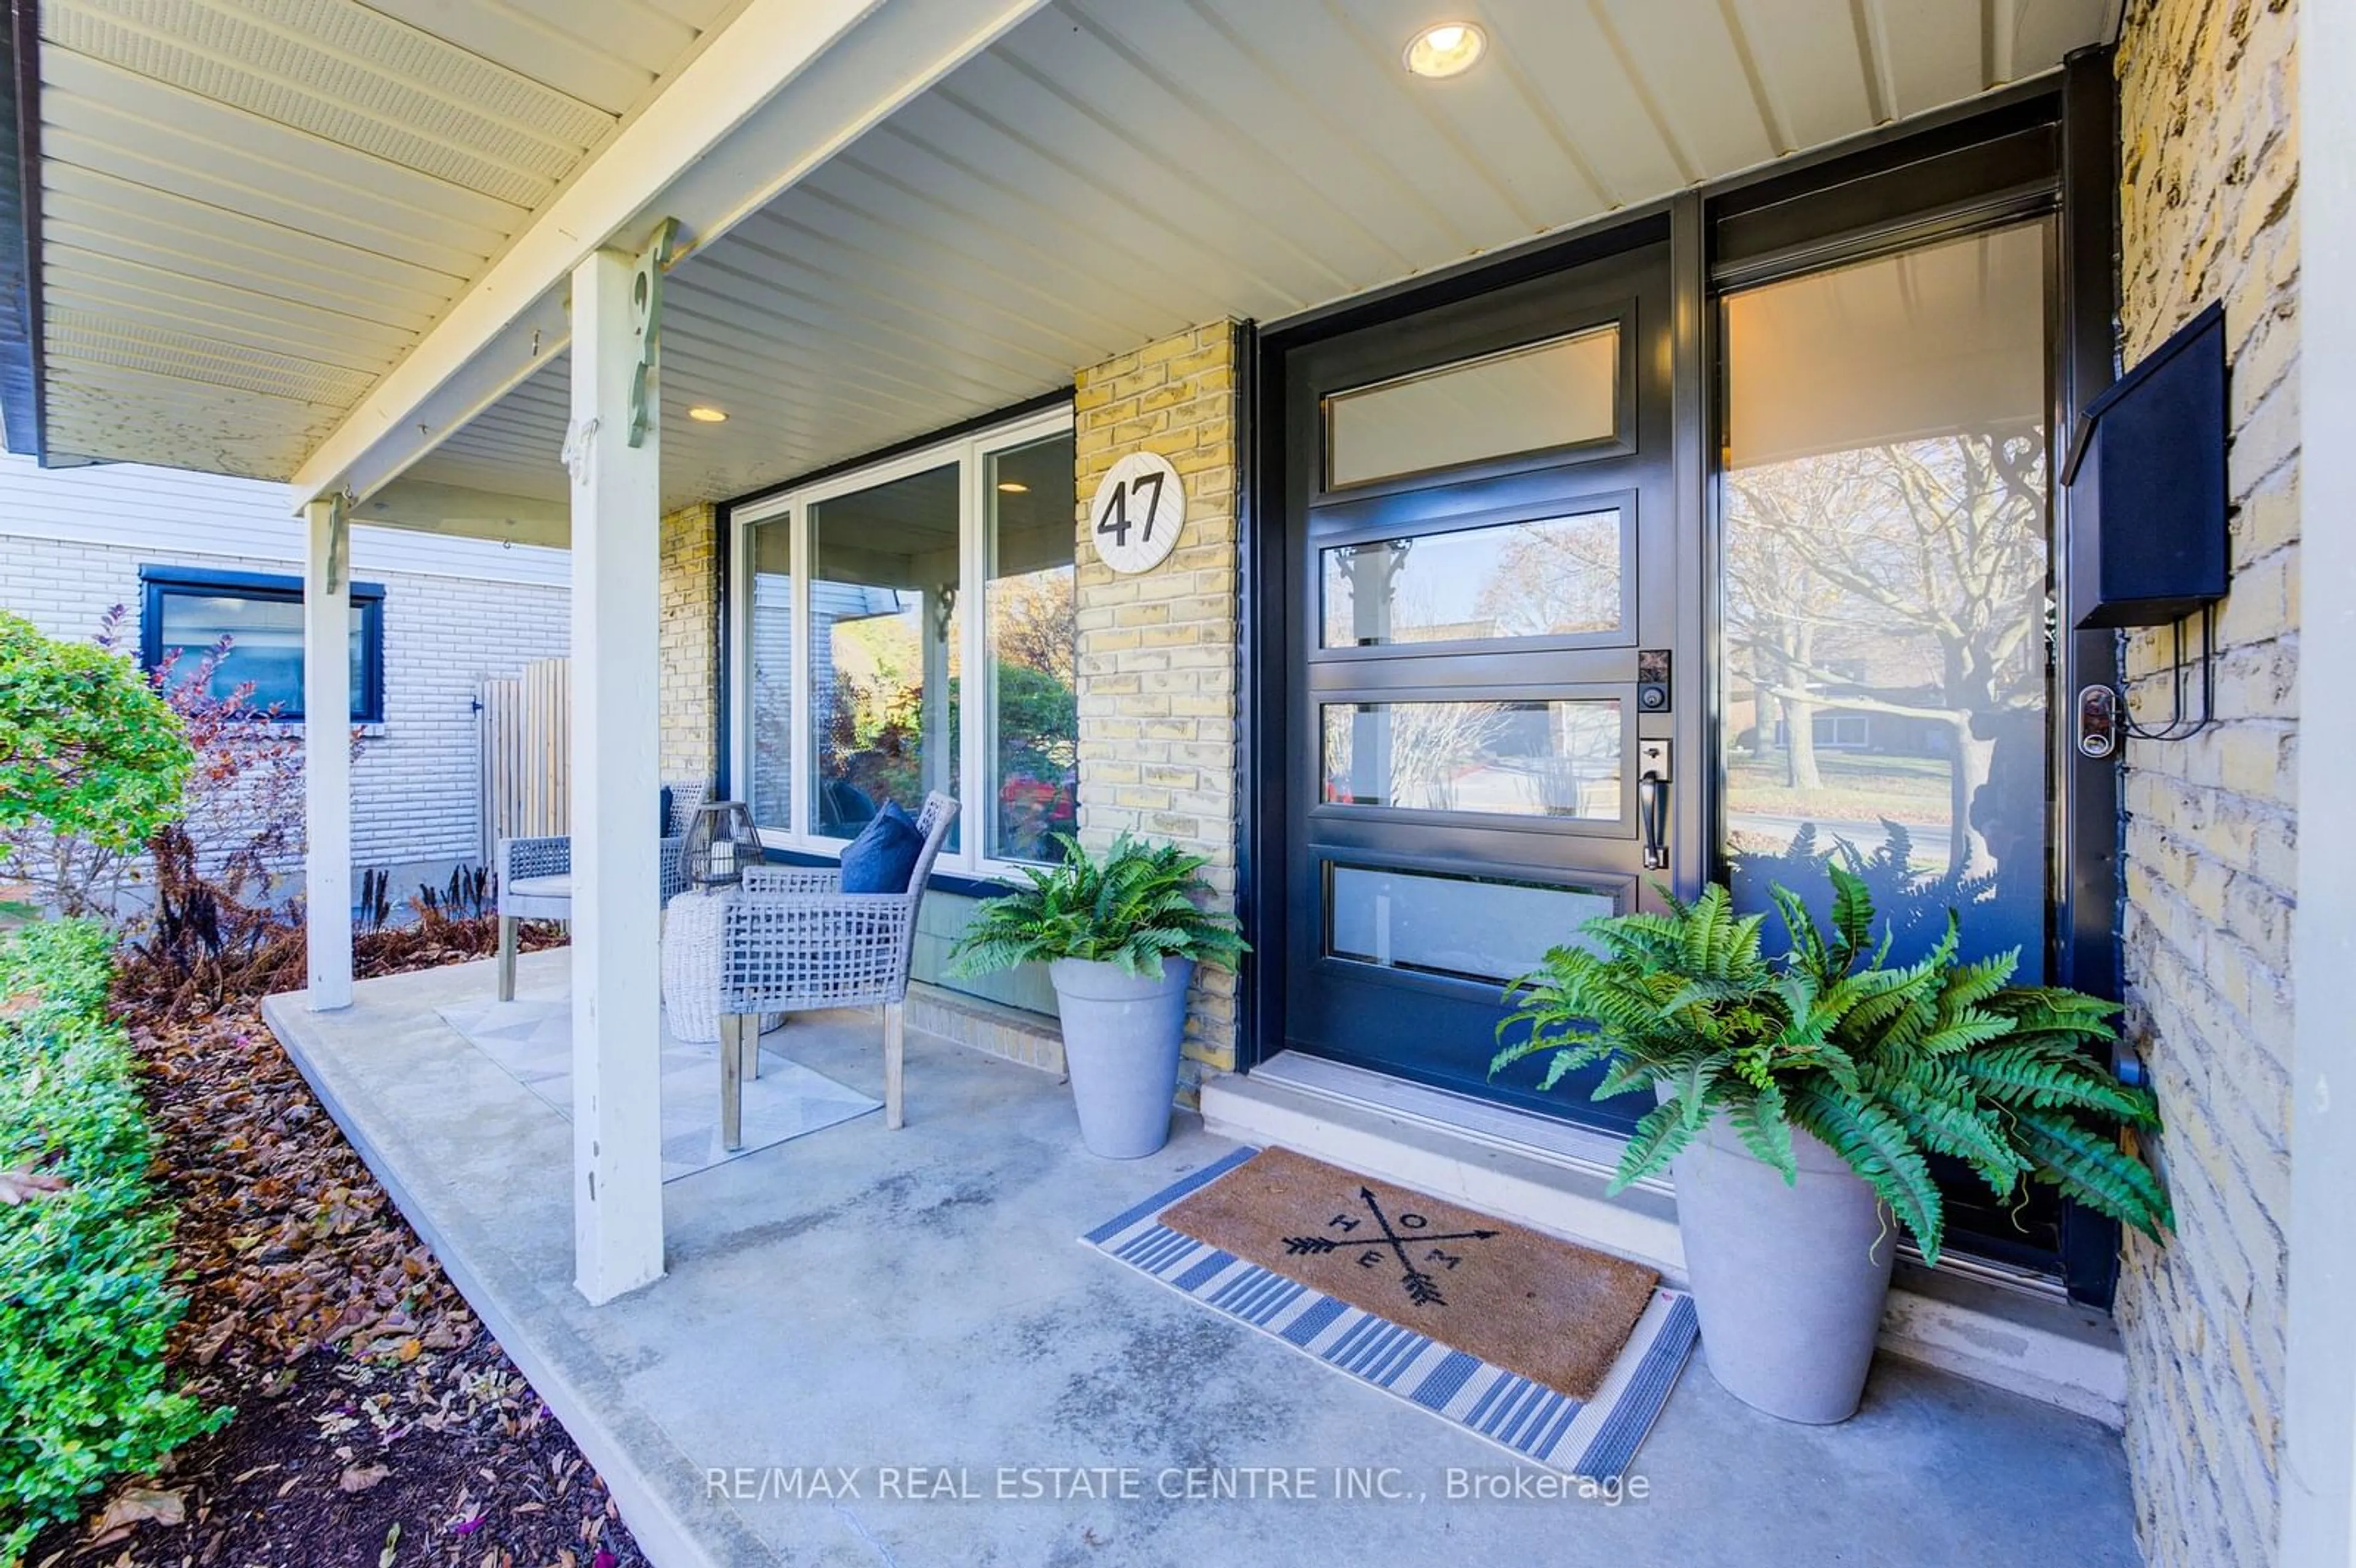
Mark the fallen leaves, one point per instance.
(24, 1183)
(360, 1478)
(132, 1506)
(375, 1417)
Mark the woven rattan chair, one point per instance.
(793, 940)
(536, 876)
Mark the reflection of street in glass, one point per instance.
(1887, 663)
(1520, 759)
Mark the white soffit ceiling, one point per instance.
(1111, 171)
(250, 209)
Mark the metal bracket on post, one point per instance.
(340, 541)
(646, 310)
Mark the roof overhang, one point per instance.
(898, 214)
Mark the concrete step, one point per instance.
(1530, 1170)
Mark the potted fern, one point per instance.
(1801, 1098)
(1121, 937)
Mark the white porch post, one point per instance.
(328, 756)
(617, 1090)
(2318, 1380)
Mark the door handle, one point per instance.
(1652, 818)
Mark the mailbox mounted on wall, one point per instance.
(2147, 480)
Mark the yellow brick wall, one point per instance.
(690, 647)
(2209, 164)
(1157, 654)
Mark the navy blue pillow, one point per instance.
(883, 856)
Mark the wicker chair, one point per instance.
(536, 876)
(793, 940)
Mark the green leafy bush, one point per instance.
(1885, 1065)
(86, 1299)
(88, 746)
(1139, 904)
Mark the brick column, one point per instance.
(1158, 649)
(689, 644)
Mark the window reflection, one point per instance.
(1885, 586)
(1555, 577)
(1515, 759)
(1034, 714)
(884, 648)
(771, 635)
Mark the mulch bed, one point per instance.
(377, 1422)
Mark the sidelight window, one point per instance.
(1885, 584)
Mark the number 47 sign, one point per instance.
(1136, 513)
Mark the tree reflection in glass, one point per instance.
(1885, 586)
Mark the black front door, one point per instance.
(1482, 549)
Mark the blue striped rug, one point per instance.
(1595, 1438)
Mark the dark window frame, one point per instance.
(158, 583)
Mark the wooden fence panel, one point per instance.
(526, 737)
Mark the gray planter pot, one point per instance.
(1789, 1281)
(1121, 1036)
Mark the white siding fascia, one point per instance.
(168, 512)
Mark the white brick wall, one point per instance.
(414, 785)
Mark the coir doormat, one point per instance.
(1557, 1352)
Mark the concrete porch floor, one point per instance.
(856, 1299)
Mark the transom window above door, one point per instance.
(1540, 397)
(864, 607)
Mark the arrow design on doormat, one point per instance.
(1421, 1288)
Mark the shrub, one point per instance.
(93, 760)
(86, 1298)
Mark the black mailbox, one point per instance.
(2147, 480)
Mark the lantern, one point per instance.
(721, 842)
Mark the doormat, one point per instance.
(1556, 1352)
(532, 1041)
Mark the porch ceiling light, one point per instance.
(1014, 487)
(1446, 48)
(703, 414)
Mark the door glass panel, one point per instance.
(1552, 578)
(1033, 713)
(1527, 399)
(771, 634)
(1520, 759)
(1472, 928)
(884, 648)
(1886, 643)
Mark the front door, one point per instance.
(1482, 705)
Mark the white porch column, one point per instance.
(617, 1090)
(328, 756)
(2318, 1380)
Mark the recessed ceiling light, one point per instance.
(703, 414)
(1448, 49)
(1014, 486)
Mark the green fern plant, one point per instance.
(1139, 904)
(1887, 1065)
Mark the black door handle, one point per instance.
(1652, 819)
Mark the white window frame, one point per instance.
(977, 724)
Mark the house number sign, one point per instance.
(1138, 511)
